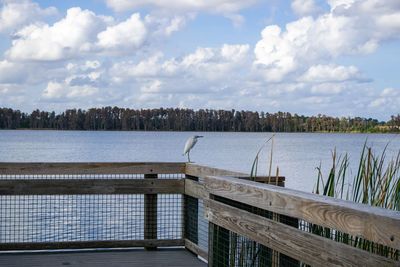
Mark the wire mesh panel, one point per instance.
(169, 216)
(103, 213)
(231, 249)
(191, 218)
(62, 218)
(203, 227)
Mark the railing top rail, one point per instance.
(373, 223)
(203, 171)
(50, 168)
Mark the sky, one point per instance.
(334, 57)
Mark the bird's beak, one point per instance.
(199, 136)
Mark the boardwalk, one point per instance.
(112, 258)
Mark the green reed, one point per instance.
(376, 183)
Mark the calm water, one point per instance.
(297, 155)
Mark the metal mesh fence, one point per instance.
(61, 218)
(191, 218)
(233, 250)
(203, 227)
(169, 216)
(70, 218)
(196, 226)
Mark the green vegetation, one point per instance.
(377, 183)
(170, 119)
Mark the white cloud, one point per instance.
(125, 35)
(151, 87)
(328, 88)
(14, 14)
(203, 64)
(388, 99)
(351, 27)
(344, 4)
(67, 38)
(11, 72)
(305, 7)
(56, 90)
(81, 33)
(145, 68)
(330, 73)
(167, 25)
(228, 8)
(222, 6)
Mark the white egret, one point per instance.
(190, 144)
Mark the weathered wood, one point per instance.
(372, 223)
(195, 189)
(189, 245)
(168, 257)
(91, 186)
(304, 246)
(273, 180)
(92, 244)
(150, 213)
(90, 168)
(203, 171)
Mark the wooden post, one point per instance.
(191, 210)
(150, 214)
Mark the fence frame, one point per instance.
(375, 224)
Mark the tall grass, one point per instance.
(376, 183)
(254, 166)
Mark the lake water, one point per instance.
(296, 154)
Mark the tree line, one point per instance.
(178, 119)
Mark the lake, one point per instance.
(296, 154)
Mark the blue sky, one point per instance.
(335, 57)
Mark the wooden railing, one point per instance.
(229, 199)
(374, 224)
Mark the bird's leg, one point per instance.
(188, 156)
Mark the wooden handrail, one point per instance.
(306, 247)
(372, 223)
(91, 186)
(39, 168)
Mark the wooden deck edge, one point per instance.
(92, 244)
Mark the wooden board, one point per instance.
(113, 258)
(189, 245)
(91, 186)
(304, 246)
(195, 189)
(375, 224)
(90, 168)
(92, 244)
(150, 213)
(203, 171)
